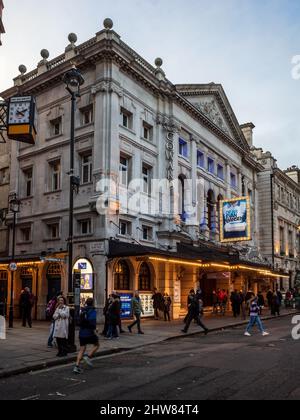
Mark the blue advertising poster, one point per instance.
(126, 305)
(235, 220)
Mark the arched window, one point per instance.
(210, 210)
(145, 278)
(122, 276)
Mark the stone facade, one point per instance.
(132, 123)
(282, 188)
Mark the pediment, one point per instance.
(213, 103)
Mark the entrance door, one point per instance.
(26, 282)
(54, 280)
(208, 286)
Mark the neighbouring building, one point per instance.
(2, 30)
(154, 160)
(279, 214)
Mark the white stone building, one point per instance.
(132, 123)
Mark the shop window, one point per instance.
(122, 276)
(145, 284)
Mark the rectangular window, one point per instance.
(86, 168)
(85, 227)
(4, 176)
(28, 176)
(146, 180)
(282, 240)
(291, 244)
(183, 148)
(200, 159)
(127, 119)
(26, 234)
(53, 230)
(233, 180)
(124, 171)
(220, 172)
(125, 228)
(147, 131)
(55, 176)
(56, 127)
(87, 115)
(211, 165)
(147, 233)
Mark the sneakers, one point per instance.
(88, 361)
(247, 334)
(77, 370)
(265, 334)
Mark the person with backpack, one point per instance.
(50, 310)
(87, 335)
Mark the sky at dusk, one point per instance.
(246, 45)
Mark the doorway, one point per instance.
(208, 285)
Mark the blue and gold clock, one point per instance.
(21, 119)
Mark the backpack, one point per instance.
(50, 309)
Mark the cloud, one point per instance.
(247, 45)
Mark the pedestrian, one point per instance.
(275, 305)
(27, 300)
(61, 328)
(243, 305)
(87, 335)
(167, 307)
(215, 302)
(280, 297)
(113, 318)
(190, 299)
(235, 303)
(119, 303)
(50, 310)
(261, 302)
(106, 315)
(223, 301)
(270, 298)
(138, 310)
(195, 312)
(255, 318)
(158, 303)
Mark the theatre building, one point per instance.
(156, 162)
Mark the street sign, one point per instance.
(13, 266)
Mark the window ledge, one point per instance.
(54, 137)
(148, 242)
(87, 184)
(51, 239)
(127, 129)
(86, 235)
(184, 158)
(52, 192)
(26, 198)
(4, 184)
(91, 124)
(127, 237)
(24, 243)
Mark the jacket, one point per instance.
(61, 327)
(137, 307)
(88, 322)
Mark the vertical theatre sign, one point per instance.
(235, 220)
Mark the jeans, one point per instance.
(167, 315)
(50, 339)
(136, 322)
(253, 321)
(112, 331)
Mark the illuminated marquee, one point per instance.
(235, 220)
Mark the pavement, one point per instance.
(225, 365)
(25, 350)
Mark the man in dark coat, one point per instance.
(158, 303)
(236, 303)
(26, 303)
(195, 312)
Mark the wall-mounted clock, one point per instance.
(21, 119)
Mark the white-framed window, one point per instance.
(126, 119)
(147, 233)
(86, 168)
(200, 159)
(210, 165)
(28, 182)
(87, 115)
(124, 171)
(4, 176)
(25, 234)
(56, 127)
(125, 228)
(146, 174)
(54, 176)
(147, 131)
(53, 230)
(85, 226)
(183, 148)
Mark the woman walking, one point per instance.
(61, 328)
(255, 318)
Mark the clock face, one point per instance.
(19, 113)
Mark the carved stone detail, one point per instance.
(211, 111)
(171, 127)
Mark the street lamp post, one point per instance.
(14, 207)
(73, 80)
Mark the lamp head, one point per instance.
(73, 80)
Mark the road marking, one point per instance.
(33, 397)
